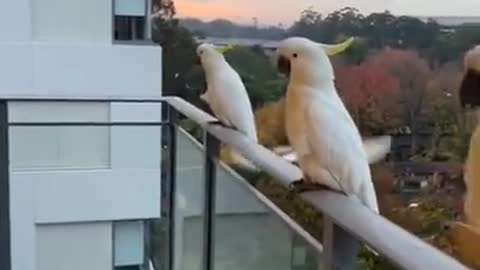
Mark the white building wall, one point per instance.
(126, 186)
(46, 70)
(43, 148)
(74, 246)
(15, 21)
(66, 21)
(16, 67)
(22, 224)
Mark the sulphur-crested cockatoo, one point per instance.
(325, 138)
(226, 95)
(470, 99)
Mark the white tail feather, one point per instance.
(377, 148)
(241, 161)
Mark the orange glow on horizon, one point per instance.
(239, 11)
(287, 11)
(207, 10)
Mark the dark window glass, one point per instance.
(129, 28)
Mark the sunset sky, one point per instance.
(286, 11)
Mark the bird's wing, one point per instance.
(233, 103)
(337, 145)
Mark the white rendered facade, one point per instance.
(79, 195)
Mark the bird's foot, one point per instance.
(216, 122)
(301, 185)
(220, 123)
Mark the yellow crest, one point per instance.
(224, 49)
(335, 49)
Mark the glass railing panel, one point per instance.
(189, 214)
(251, 235)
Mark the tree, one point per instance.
(224, 28)
(310, 25)
(260, 77)
(412, 33)
(346, 21)
(270, 122)
(452, 129)
(371, 94)
(413, 74)
(178, 47)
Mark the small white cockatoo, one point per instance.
(470, 99)
(327, 142)
(227, 96)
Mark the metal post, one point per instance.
(148, 20)
(168, 184)
(212, 147)
(340, 249)
(5, 251)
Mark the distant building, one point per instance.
(450, 23)
(417, 176)
(453, 21)
(402, 141)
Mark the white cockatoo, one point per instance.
(470, 99)
(328, 145)
(227, 96)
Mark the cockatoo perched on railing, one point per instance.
(227, 96)
(327, 143)
(470, 99)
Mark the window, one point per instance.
(129, 245)
(82, 246)
(129, 28)
(131, 20)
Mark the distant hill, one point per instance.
(227, 29)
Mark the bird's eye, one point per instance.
(295, 55)
(201, 52)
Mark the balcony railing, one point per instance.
(345, 223)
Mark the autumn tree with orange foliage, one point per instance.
(270, 122)
(371, 93)
(413, 75)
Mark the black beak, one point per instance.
(197, 60)
(283, 64)
(470, 90)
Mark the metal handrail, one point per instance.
(349, 220)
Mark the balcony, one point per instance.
(209, 216)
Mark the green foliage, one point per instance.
(178, 47)
(438, 44)
(451, 138)
(226, 29)
(260, 77)
(303, 213)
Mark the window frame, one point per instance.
(147, 25)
